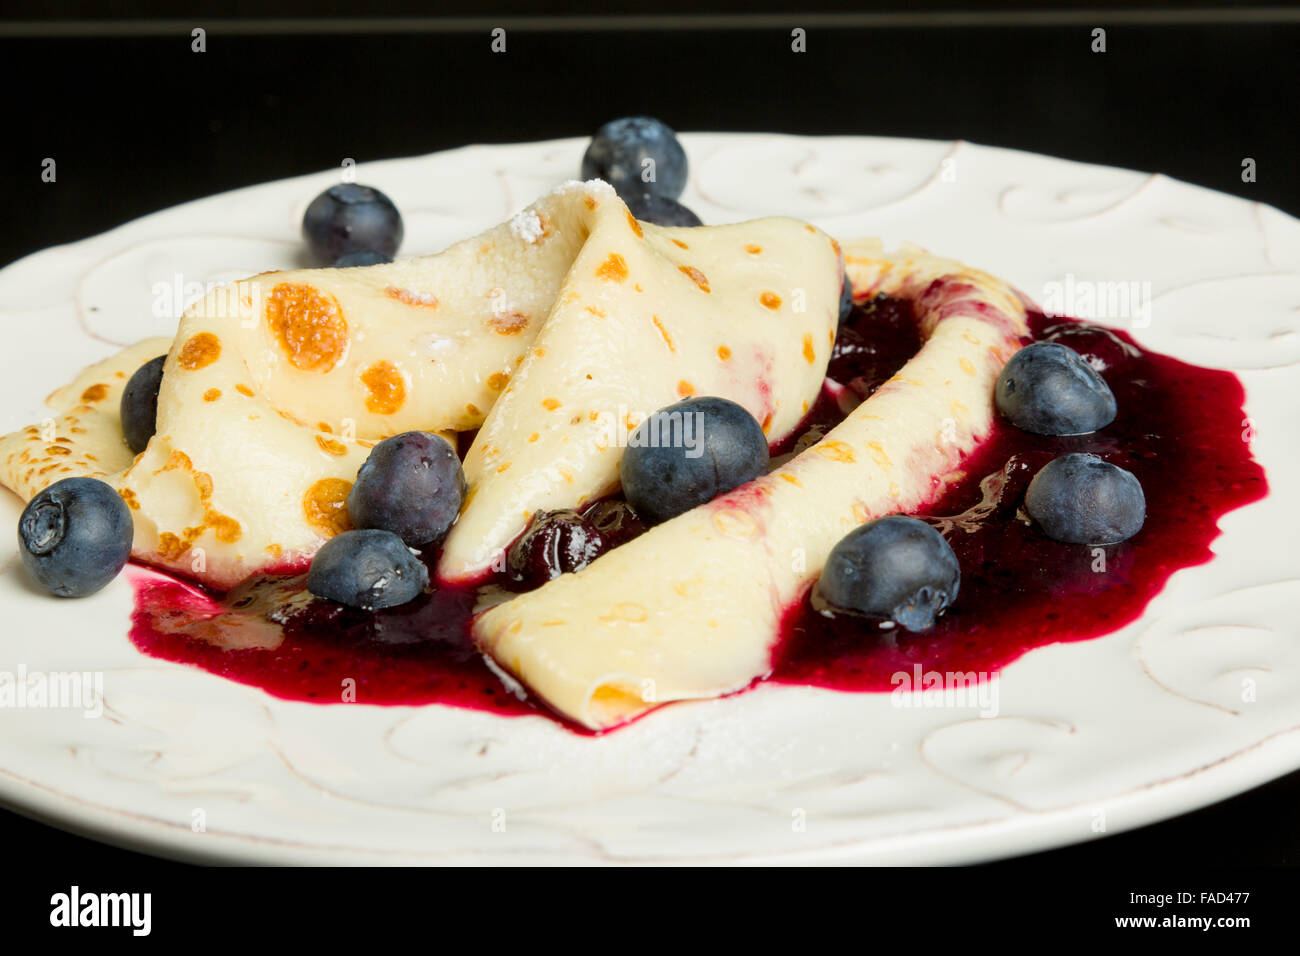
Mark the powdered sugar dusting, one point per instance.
(527, 226)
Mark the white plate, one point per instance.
(1091, 737)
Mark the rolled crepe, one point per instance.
(691, 608)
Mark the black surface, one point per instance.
(140, 123)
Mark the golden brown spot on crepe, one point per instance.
(663, 333)
(57, 450)
(533, 437)
(724, 353)
(95, 393)
(590, 203)
(212, 394)
(497, 381)
(785, 476)
(550, 404)
(637, 286)
(771, 300)
(584, 231)
(613, 269)
(597, 311)
(685, 389)
(878, 454)
(972, 339)
(472, 409)
(225, 528)
(308, 324)
(678, 242)
(129, 497)
(834, 450)
(767, 422)
(809, 352)
(810, 228)
(696, 276)
(407, 297)
(510, 324)
(324, 427)
(967, 366)
(326, 506)
(566, 475)
(331, 446)
(199, 351)
(753, 249)
(503, 468)
(170, 547)
(636, 226)
(385, 387)
(835, 247)
(274, 550)
(244, 390)
(860, 513)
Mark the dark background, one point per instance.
(137, 122)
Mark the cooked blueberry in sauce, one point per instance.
(555, 543)
(1178, 430)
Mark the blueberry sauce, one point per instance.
(1179, 430)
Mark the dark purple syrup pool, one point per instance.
(1179, 430)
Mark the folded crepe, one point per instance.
(559, 328)
(692, 607)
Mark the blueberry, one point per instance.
(351, 218)
(689, 453)
(369, 569)
(895, 568)
(661, 211)
(139, 406)
(636, 155)
(846, 300)
(367, 258)
(557, 542)
(75, 536)
(412, 485)
(1080, 499)
(1048, 389)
